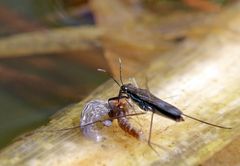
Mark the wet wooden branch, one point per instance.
(203, 77)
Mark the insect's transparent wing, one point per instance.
(93, 111)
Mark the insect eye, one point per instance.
(124, 88)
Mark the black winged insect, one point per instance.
(148, 102)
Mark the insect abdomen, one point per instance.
(120, 109)
(126, 126)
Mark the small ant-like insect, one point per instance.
(148, 102)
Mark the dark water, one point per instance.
(33, 88)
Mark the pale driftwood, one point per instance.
(204, 79)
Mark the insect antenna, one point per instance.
(211, 124)
(110, 75)
(120, 69)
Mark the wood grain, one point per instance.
(204, 78)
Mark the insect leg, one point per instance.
(111, 118)
(150, 135)
(81, 126)
(126, 99)
(117, 98)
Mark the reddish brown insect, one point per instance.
(120, 109)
